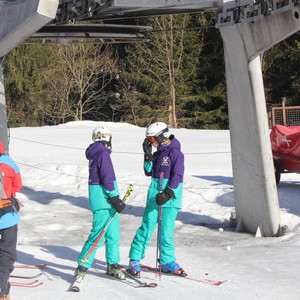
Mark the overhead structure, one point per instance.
(18, 21)
(122, 9)
(248, 29)
(68, 26)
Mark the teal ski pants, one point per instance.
(144, 233)
(111, 236)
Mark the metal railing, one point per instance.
(285, 115)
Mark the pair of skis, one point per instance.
(25, 283)
(139, 282)
(129, 280)
(142, 283)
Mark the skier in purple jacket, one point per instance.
(104, 202)
(167, 161)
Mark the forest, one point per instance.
(177, 75)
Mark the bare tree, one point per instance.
(79, 85)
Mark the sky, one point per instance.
(55, 219)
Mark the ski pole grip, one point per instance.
(128, 193)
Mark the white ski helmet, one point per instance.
(158, 130)
(102, 134)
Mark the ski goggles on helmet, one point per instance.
(151, 139)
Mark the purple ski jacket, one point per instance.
(169, 160)
(102, 179)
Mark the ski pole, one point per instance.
(102, 232)
(158, 247)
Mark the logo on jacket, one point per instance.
(165, 161)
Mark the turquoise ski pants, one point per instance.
(144, 233)
(111, 236)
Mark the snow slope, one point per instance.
(55, 219)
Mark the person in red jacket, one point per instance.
(10, 184)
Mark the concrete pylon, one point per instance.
(257, 208)
(3, 117)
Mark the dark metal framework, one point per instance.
(89, 33)
(120, 9)
(72, 23)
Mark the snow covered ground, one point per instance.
(55, 219)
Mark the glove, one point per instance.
(164, 197)
(147, 147)
(117, 203)
(15, 204)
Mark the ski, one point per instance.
(27, 266)
(76, 286)
(125, 281)
(26, 277)
(202, 280)
(138, 281)
(32, 284)
(206, 280)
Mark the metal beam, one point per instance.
(121, 9)
(103, 33)
(175, 4)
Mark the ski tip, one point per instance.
(145, 284)
(152, 285)
(220, 282)
(28, 266)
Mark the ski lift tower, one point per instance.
(248, 29)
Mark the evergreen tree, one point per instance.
(160, 73)
(25, 85)
(207, 108)
(281, 71)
